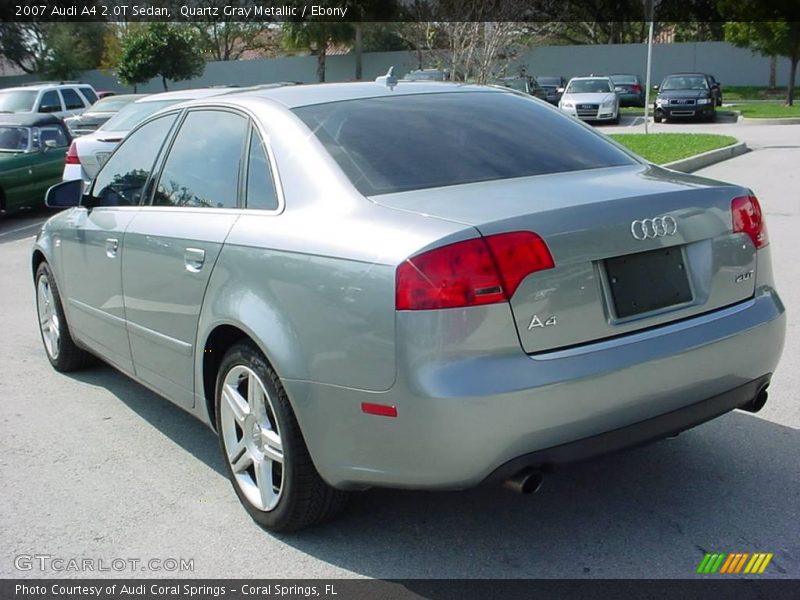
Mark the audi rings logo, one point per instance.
(648, 229)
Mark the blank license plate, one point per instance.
(647, 281)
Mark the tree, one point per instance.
(775, 38)
(318, 37)
(59, 50)
(766, 28)
(223, 37)
(164, 50)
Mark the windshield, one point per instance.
(133, 114)
(589, 86)
(420, 141)
(685, 82)
(17, 101)
(110, 104)
(14, 139)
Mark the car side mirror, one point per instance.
(47, 146)
(49, 109)
(65, 194)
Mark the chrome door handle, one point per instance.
(193, 259)
(112, 245)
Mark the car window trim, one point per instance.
(167, 148)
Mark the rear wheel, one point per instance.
(62, 352)
(265, 455)
(658, 116)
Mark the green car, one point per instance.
(32, 151)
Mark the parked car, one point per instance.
(58, 99)
(98, 113)
(591, 99)
(31, 154)
(685, 96)
(630, 89)
(87, 153)
(553, 87)
(407, 285)
(524, 84)
(427, 75)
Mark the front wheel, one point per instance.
(62, 352)
(265, 455)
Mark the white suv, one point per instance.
(59, 99)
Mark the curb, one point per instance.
(769, 121)
(699, 161)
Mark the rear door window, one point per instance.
(202, 167)
(71, 99)
(89, 94)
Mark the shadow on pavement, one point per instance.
(730, 485)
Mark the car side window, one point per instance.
(55, 134)
(89, 94)
(260, 187)
(202, 167)
(72, 100)
(50, 102)
(122, 179)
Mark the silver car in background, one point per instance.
(591, 99)
(418, 285)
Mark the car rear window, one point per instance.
(548, 80)
(402, 143)
(624, 79)
(17, 101)
(133, 114)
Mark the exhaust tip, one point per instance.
(527, 481)
(758, 402)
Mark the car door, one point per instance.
(50, 103)
(91, 244)
(73, 103)
(171, 247)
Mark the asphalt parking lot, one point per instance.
(95, 466)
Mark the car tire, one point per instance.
(657, 117)
(265, 455)
(61, 350)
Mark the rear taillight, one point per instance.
(470, 273)
(636, 88)
(748, 218)
(72, 155)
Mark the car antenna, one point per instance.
(389, 80)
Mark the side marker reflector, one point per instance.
(382, 410)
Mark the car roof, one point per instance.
(29, 119)
(191, 94)
(687, 75)
(295, 96)
(43, 86)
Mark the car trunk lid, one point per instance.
(634, 247)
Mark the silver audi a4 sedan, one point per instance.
(423, 286)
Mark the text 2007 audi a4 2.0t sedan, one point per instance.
(416, 286)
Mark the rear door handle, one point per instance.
(193, 259)
(112, 245)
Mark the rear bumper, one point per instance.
(637, 434)
(463, 414)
